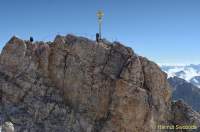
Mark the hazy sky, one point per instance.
(165, 31)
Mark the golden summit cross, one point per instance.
(100, 15)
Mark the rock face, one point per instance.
(7, 127)
(76, 85)
(184, 115)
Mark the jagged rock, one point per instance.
(183, 115)
(7, 127)
(74, 84)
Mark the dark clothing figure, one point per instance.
(31, 39)
(97, 37)
(1, 94)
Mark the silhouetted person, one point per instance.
(31, 39)
(1, 94)
(97, 37)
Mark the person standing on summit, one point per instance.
(31, 39)
(97, 37)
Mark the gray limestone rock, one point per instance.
(74, 84)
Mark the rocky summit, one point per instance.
(74, 84)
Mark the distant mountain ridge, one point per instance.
(190, 73)
(185, 91)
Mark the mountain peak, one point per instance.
(190, 73)
(77, 84)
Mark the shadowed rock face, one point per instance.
(76, 85)
(184, 115)
(185, 91)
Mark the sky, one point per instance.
(165, 31)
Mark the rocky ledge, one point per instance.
(74, 84)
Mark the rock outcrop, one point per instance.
(77, 85)
(184, 116)
(7, 127)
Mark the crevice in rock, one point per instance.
(142, 76)
(108, 58)
(26, 93)
(173, 119)
(125, 65)
(91, 72)
(148, 91)
(65, 69)
(65, 63)
(99, 124)
(50, 112)
(4, 76)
